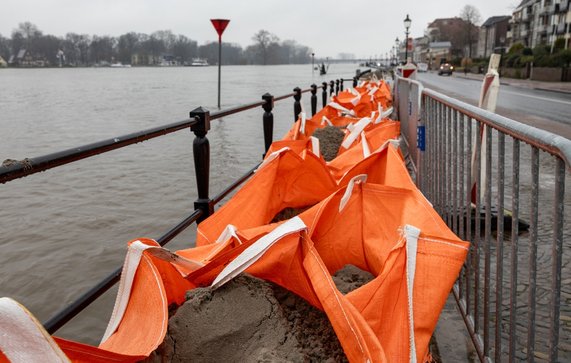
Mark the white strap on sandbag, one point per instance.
(325, 120)
(355, 132)
(338, 107)
(411, 234)
(302, 124)
(361, 178)
(386, 113)
(315, 146)
(23, 339)
(228, 232)
(271, 157)
(365, 145)
(257, 250)
(130, 266)
(373, 91)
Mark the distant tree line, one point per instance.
(30, 46)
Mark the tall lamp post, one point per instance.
(312, 63)
(406, 22)
(219, 25)
(397, 50)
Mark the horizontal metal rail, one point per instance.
(11, 170)
(14, 169)
(544, 140)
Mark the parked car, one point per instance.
(422, 67)
(446, 68)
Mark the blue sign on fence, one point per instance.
(420, 137)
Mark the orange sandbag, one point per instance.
(292, 180)
(391, 232)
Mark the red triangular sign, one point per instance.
(220, 25)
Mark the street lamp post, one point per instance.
(397, 50)
(312, 63)
(219, 25)
(406, 22)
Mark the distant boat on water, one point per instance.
(199, 62)
(120, 65)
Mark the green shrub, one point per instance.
(516, 48)
(527, 51)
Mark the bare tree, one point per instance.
(472, 18)
(263, 40)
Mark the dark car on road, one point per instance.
(446, 68)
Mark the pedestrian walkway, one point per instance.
(563, 87)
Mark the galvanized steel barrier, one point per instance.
(510, 289)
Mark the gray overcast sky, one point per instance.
(362, 27)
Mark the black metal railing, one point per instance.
(199, 123)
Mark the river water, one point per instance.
(63, 230)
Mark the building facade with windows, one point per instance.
(536, 22)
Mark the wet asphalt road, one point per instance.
(544, 109)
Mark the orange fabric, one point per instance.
(299, 180)
(371, 321)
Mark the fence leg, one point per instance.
(201, 151)
(331, 88)
(296, 103)
(355, 82)
(313, 99)
(336, 86)
(268, 119)
(324, 94)
(341, 85)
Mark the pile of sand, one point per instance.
(252, 320)
(330, 139)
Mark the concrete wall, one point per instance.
(546, 74)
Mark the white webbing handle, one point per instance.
(257, 250)
(355, 132)
(361, 178)
(271, 157)
(130, 266)
(411, 234)
(23, 339)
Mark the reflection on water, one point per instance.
(65, 229)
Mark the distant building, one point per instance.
(438, 53)
(453, 30)
(537, 22)
(26, 59)
(493, 36)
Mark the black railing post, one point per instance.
(341, 85)
(296, 103)
(201, 151)
(336, 86)
(268, 119)
(355, 82)
(331, 88)
(313, 99)
(324, 94)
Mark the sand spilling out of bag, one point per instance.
(330, 139)
(252, 320)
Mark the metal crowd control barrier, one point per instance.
(510, 289)
(199, 124)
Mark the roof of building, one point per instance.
(440, 45)
(495, 19)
